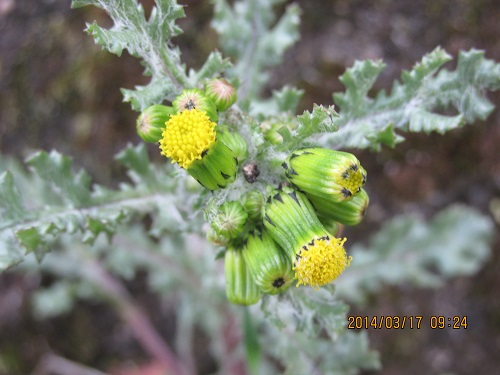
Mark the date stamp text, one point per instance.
(407, 321)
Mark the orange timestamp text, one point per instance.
(406, 321)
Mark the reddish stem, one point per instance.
(139, 323)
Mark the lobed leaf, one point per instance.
(287, 99)
(248, 33)
(358, 81)
(55, 300)
(282, 102)
(79, 211)
(296, 323)
(213, 67)
(11, 207)
(464, 88)
(320, 120)
(416, 103)
(409, 250)
(307, 310)
(152, 93)
(10, 253)
(55, 170)
(147, 40)
(140, 168)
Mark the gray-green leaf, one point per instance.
(407, 249)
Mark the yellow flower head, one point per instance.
(321, 261)
(352, 179)
(331, 174)
(188, 135)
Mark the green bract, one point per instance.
(268, 263)
(330, 225)
(317, 256)
(253, 203)
(217, 238)
(240, 285)
(349, 212)
(192, 141)
(216, 168)
(235, 142)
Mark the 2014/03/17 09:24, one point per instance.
(410, 321)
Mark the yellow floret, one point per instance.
(320, 262)
(187, 135)
(352, 178)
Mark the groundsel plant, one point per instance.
(249, 204)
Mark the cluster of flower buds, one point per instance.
(188, 133)
(272, 238)
(288, 235)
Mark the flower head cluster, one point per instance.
(290, 233)
(191, 137)
(272, 237)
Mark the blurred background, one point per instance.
(60, 91)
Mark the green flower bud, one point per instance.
(330, 174)
(216, 238)
(271, 132)
(268, 263)
(349, 212)
(253, 203)
(240, 285)
(221, 92)
(195, 99)
(229, 220)
(317, 256)
(151, 122)
(234, 142)
(274, 137)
